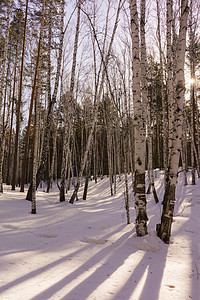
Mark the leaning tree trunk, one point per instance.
(140, 126)
(164, 229)
(96, 106)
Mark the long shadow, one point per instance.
(100, 272)
(195, 252)
(53, 264)
(190, 228)
(40, 270)
(153, 278)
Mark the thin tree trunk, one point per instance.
(19, 101)
(3, 141)
(88, 165)
(96, 106)
(5, 54)
(95, 156)
(164, 106)
(11, 121)
(184, 146)
(68, 124)
(36, 121)
(50, 110)
(53, 156)
(125, 174)
(24, 163)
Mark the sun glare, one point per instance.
(191, 81)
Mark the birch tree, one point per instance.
(19, 101)
(70, 106)
(5, 53)
(163, 98)
(139, 127)
(175, 136)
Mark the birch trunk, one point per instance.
(3, 140)
(164, 106)
(192, 126)
(19, 101)
(24, 163)
(11, 121)
(184, 146)
(125, 174)
(198, 130)
(164, 229)
(68, 124)
(35, 151)
(5, 54)
(117, 137)
(36, 121)
(139, 128)
(171, 65)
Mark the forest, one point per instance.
(99, 149)
(90, 89)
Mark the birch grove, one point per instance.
(90, 89)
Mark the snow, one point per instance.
(87, 251)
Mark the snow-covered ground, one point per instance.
(87, 251)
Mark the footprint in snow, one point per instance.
(48, 236)
(93, 240)
(9, 226)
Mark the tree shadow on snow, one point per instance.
(56, 263)
(117, 254)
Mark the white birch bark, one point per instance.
(3, 140)
(184, 145)
(164, 106)
(35, 154)
(126, 194)
(11, 121)
(170, 88)
(164, 229)
(19, 101)
(36, 124)
(139, 128)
